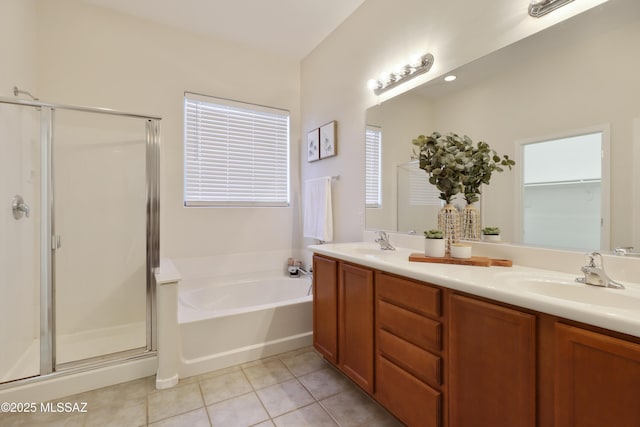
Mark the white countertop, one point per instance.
(617, 310)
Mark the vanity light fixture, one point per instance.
(403, 73)
(537, 8)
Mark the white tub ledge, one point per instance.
(167, 279)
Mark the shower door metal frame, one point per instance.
(48, 243)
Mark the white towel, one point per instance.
(318, 216)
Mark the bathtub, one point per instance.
(231, 319)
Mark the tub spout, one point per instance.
(310, 275)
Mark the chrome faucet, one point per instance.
(308, 274)
(594, 273)
(383, 241)
(626, 251)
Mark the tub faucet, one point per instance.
(594, 273)
(625, 251)
(305, 272)
(310, 275)
(383, 241)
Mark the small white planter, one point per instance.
(434, 247)
(491, 238)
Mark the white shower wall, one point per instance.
(19, 247)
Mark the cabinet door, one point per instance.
(412, 401)
(325, 307)
(492, 365)
(356, 324)
(597, 379)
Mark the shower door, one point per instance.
(19, 242)
(99, 228)
(79, 237)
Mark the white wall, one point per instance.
(377, 36)
(89, 55)
(17, 45)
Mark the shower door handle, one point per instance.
(19, 207)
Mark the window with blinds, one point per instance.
(235, 154)
(373, 147)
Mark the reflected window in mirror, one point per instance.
(562, 188)
(373, 148)
(418, 200)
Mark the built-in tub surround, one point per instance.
(549, 291)
(224, 310)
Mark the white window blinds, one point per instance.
(373, 146)
(421, 193)
(235, 154)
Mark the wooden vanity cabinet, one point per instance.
(355, 324)
(343, 318)
(409, 345)
(492, 365)
(436, 357)
(325, 307)
(597, 379)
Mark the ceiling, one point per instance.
(288, 27)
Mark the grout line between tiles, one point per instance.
(204, 402)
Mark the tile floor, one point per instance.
(295, 389)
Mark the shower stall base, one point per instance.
(100, 342)
(66, 383)
(83, 346)
(27, 363)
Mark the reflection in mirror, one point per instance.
(373, 145)
(578, 74)
(562, 203)
(417, 199)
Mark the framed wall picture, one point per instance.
(313, 145)
(328, 140)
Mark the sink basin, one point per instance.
(566, 288)
(365, 249)
(370, 251)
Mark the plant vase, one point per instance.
(494, 238)
(470, 223)
(434, 247)
(449, 223)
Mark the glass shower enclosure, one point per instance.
(79, 237)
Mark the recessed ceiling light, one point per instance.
(450, 78)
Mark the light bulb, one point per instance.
(416, 61)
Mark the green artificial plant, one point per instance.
(491, 231)
(455, 165)
(433, 234)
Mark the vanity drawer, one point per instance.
(412, 327)
(423, 365)
(415, 296)
(412, 401)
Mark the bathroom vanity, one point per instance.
(448, 345)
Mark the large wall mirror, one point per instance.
(579, 77)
